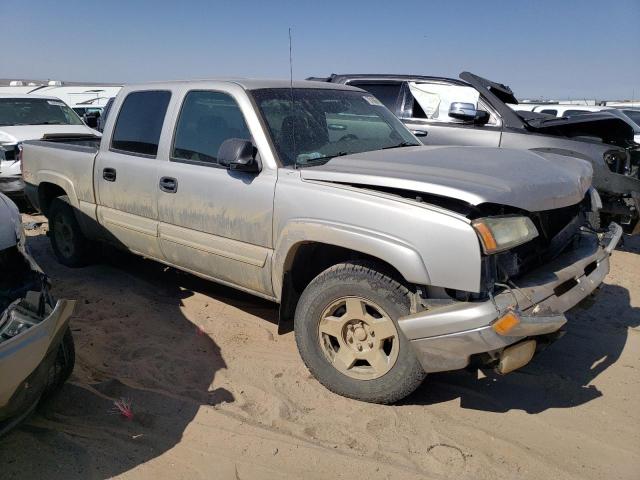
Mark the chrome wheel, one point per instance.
(358, 338)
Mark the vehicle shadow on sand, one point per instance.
(133, 343)
(558, 377)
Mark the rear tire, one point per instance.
(348, 337)
(67, 240)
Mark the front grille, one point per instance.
(556, 230)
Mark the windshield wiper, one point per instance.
(400, 145)
(320, 160)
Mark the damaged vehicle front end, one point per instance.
(36, 347)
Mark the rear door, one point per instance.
(126, 169)
(214, 221)
(387, 91)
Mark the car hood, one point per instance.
(10, 223)
(602, 126)
(532, 181)
(19, 133)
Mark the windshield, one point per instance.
(325, 123)
(36, 111)
(635, 116)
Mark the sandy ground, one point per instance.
(217, 394)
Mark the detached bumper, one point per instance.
(26, 358)
(445, 338)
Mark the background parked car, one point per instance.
(30, 117)
(474, 111)
(36, 347)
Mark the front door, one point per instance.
(125, 173)
(214, 221)
(425, 106)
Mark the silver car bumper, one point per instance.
(445, 338)
(22, 355)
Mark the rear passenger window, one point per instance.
(386, 92)
(140, 122)
(549, 111)
(206, 120)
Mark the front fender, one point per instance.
(385, 247)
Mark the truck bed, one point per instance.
(65, 161)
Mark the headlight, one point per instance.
(502, 233)
(616, 160)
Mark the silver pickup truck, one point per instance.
(389, 259)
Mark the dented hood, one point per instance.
(523, 179)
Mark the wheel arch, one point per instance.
(306, 249)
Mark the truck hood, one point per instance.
(601, 126)
(531, 181)
(20, 133)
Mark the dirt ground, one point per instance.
(216, 394)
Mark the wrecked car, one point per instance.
(389, 259)
(36, 346)
(474, 111)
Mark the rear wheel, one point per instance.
(347, 334)
(67, 240)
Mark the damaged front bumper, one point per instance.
(32, 331)
(26, 358)
(445, 338)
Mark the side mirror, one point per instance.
(463, 111)
(238, 154)
(91, 121)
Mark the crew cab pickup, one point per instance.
(474, 111)
(388, 258)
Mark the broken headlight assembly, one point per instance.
(24, 290)
(498, 234)
(617, 161)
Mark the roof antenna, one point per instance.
(293, 124)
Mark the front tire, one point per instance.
(348, 337)
(67, 240)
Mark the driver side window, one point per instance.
(206, 120)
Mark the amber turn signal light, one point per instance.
(506, 322)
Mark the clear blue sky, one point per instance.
(540, 48)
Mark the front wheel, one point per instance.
(347, 334)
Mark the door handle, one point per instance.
(109, 174)
(420, 133)
(169, 184)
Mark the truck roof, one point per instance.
(246, 83)
(28, 96)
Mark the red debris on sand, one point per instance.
(123, 407)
